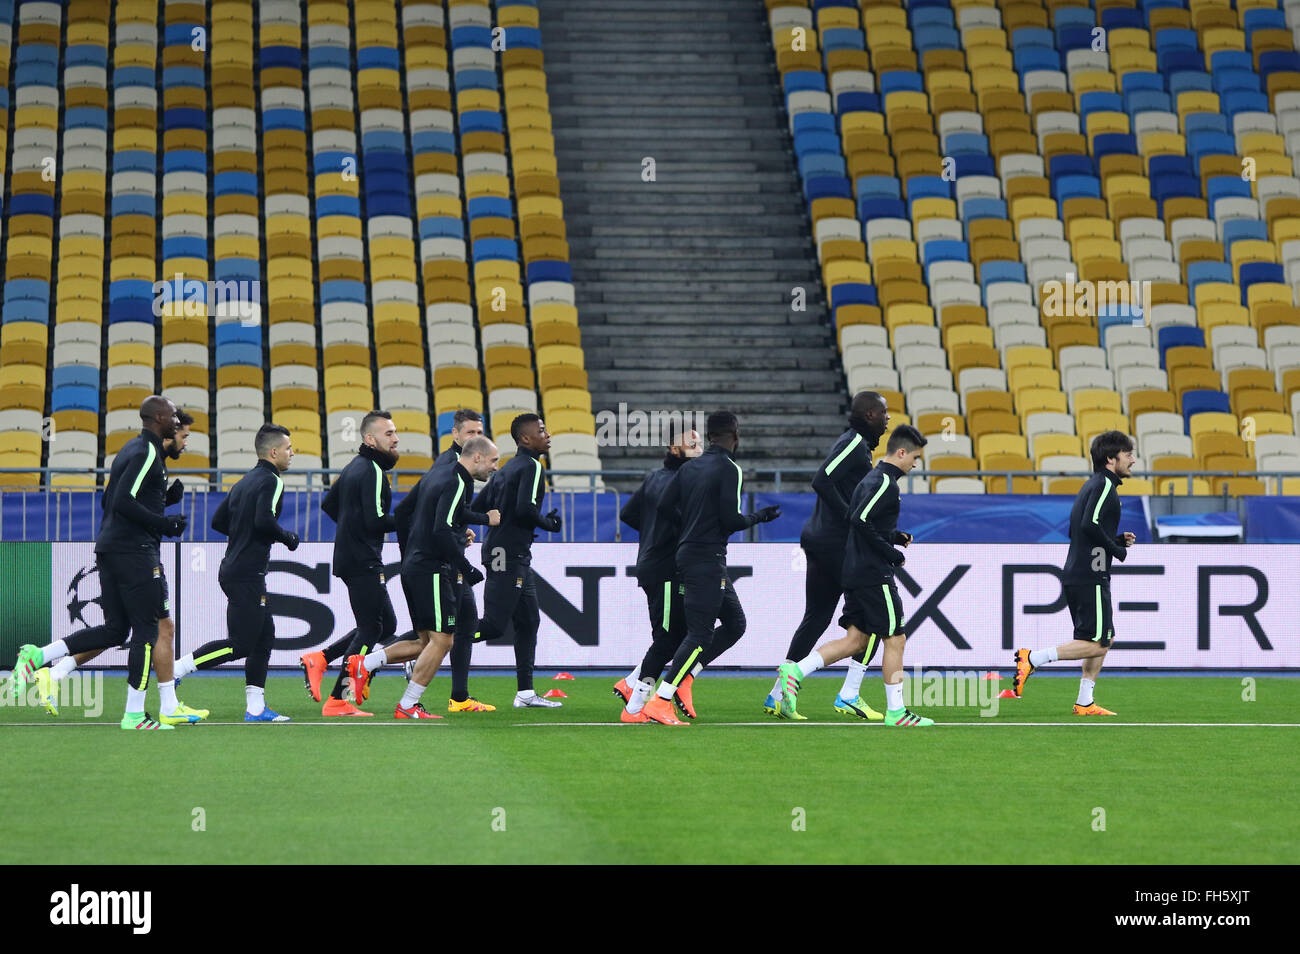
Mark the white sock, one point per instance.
(634, 676)
(134, 700)
(697, 669)
(376, 659)
(255, 699)
(525, 693)
(776, 686)
(184, 666)
(666, 689)
(1085, 691)
(167, 697)
(63, 668)
(1040, 656)
(412, 694)
(812, 663)
(640, 693)
(894, 695)
(853, 680)
(54, 652)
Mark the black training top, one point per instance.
(517, 490)
(442, 507)
(248, 519)
(360, 502)
(847, 463)
(1094, 521)
(135, 499)
(656, 551)
(870, 555)
(706, 493)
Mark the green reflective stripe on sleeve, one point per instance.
(668, 596)
(537, 478)
(275, 497)
(437, 605)
(148, 463)
(148, 651)
(857, 439)
(872, 502)
(1105, 489)
(226, 651)
(740, 479)
(460, 490)
(889, 602)
(379, 479)
(1097, 638)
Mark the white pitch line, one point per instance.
(990, 722)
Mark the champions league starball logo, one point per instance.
(79, 595)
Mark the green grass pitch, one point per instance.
(540, 786)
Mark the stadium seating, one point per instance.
(383, 228)
(983, 180)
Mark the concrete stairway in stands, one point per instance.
(685, 284)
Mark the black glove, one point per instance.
(767, 514)
(551, 522)
(174, 526)
(473, 576)
(898, 558)
(175, 492)
(291, 540)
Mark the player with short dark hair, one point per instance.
(510, 596)
(705, 496)
(656, 567)
(130, 565)
(360, 502)
(823, 539)
(248, 517)
(872, 609)
(1094, 522)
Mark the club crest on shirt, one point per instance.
(519, 582)
(381, 579)
(157, 573)
(723, 584)
(262, 601)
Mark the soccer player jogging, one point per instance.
(248, 518)
(656, 569)
(510, 596)
(706, 492)
(129, 562)
(1094, 521)
(434, 568)
(171, 710)
(360, 502)
(872, 609)
(466, 423)
(824, 537)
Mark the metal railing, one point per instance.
(56, 519)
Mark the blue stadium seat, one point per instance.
(1176, 336)
(1198, 402)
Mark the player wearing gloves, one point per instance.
(434, 568)
(705, 498)
(129, 563)
(510, 596)
(170, 709)
(872, 609)
(248, 518)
